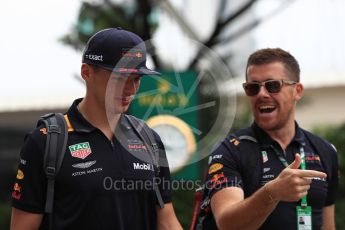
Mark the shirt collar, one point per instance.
(266, 140)
(80, 124)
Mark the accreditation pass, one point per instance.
(304, 218)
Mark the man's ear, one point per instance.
(85, 71)
(299, 91)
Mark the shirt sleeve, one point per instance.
(334, 178)
(29, 189)
(223, 168)
(164, 178)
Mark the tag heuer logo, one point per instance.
(81, 150)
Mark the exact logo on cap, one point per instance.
(117, 50)
(94, 57)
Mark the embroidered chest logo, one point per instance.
(136, 146)
(264, 156)
(311, 158)
(84, 165)
(80, 150)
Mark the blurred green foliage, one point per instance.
(5, 215)
(94, 16)
(183, 201)
(336, 135)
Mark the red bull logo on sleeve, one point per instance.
(218, 179)
(16, 191)
(16, 187)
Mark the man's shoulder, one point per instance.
(139, 122)
(38, 133)
(34, 143)
(311, 135)
(238, 144)
(134, 121)
(246, 134)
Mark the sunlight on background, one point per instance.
(38, 71)
(35, 67)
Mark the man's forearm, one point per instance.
(21, 220)
(234, 212)
(166, 218)
(249, 213)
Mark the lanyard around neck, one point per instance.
(285, 163)
(303, 167)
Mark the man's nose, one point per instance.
(131, 85)
(263, 91)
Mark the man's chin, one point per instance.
(266, 125)
(116, 111)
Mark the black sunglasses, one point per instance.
(272, 86)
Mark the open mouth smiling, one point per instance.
(267, 108)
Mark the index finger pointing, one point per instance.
(311, 173)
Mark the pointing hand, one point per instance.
(292, 183)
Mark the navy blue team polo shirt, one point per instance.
(102, 183)
(225, 170)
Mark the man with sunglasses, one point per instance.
(107, 179)
(273, 173)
